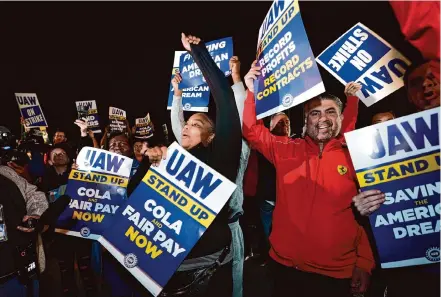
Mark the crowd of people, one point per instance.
(314, 238)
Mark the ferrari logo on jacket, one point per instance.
(342, 169)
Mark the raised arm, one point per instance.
(238, 88)
(227, 142)
(104, 137)
(257, 135)
(177, 112)
(129, 130)
(350, 113)
(92, 137)
(85, 140)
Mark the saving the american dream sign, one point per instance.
(401, 158)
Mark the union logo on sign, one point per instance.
(433, 254)
(130, 260)
(287, 100)
(85, 232)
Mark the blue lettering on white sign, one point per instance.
(401, 158)
(397, 142)
(192, 174)
(104, 161)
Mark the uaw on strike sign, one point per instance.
(165, 216)
(401, 158)
(363, 56)
(30, 110)
(96, 188)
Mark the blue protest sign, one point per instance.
(117, 118)
(96, 188)
(165, 216)
(30, 110)
(289, 74)
(221, 50)
(89, 111)
(401, 158)
(143, 127)
(193, 98)
(361, 55)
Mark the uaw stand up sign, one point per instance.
(96, 188)
(401, 158)
(165, 216)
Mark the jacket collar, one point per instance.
(332, 145)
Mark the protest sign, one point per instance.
(30, 110)
(289, 74)
(117, 119)
(143, 127)
(363, 56)
(193, 98)
(88, 110)
(165, 216)
(401, 158)
(221, 50)
(96, 188)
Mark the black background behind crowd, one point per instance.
(121, 54)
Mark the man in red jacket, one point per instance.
(317, 245)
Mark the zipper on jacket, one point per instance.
(321, 149)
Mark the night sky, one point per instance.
(121, 53)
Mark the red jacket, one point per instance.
(419, 22)
(314, 228)
(250, 179)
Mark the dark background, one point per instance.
(121, 53)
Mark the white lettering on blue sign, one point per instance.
(415, 193)
(348, 48)
(361, 55)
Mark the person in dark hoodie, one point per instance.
(219, 146)
(57, 173)
(69, 251)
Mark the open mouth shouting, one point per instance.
(429, 96)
